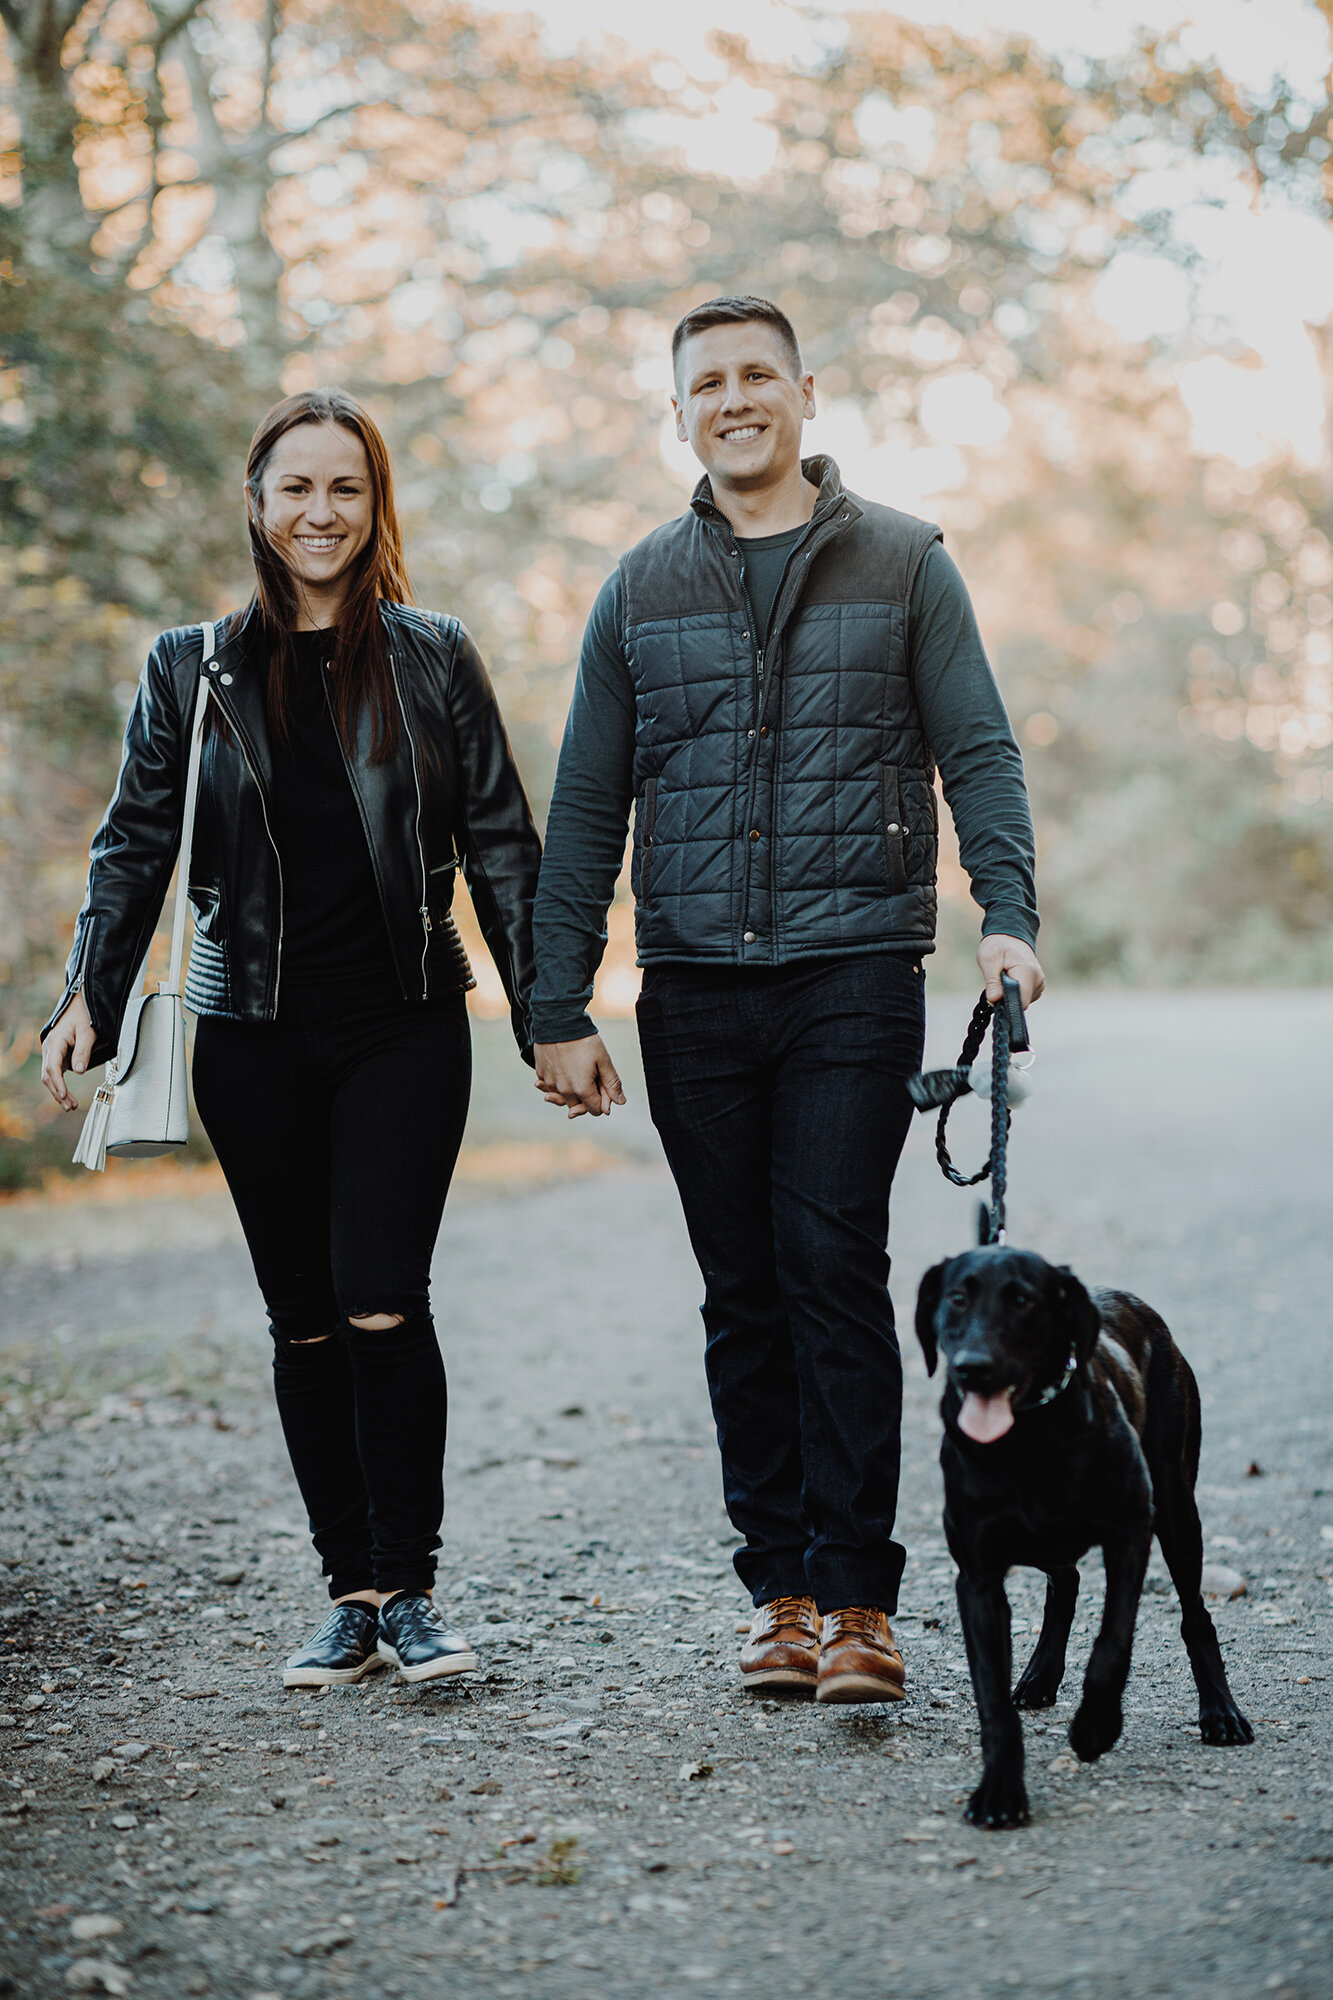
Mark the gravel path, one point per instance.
(599, 1810)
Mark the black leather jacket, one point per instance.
(452, 793)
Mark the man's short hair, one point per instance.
(737, 311)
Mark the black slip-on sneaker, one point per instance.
(413, 1637)
(343, 1649)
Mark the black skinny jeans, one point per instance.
(338, 1139)
(781, 1101)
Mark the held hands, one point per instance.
(999, 954)
(68, 1046)
(579, 1075)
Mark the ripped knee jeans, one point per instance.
(338, 1133)
(364, 1410)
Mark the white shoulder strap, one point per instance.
(173, 979)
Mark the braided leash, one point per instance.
(941, 1087)
(996, 1165)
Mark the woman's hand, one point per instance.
(578, 1075)
(68, 1046)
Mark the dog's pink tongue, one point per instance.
(985, 1418)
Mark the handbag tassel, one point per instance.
(91, 1149)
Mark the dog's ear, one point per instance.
(1081, 1315)
(927, 1304)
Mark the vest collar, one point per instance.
(820, 470)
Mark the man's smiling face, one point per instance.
(740, 404)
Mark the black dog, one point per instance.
(1069, 1420)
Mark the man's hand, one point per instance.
(579, 1075)
(68, 1046)
(1005, 954)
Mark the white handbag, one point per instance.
(142, 1107)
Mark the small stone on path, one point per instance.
(323, 1944)
(94, 1925)
(97, 1975)
(1220, 1581)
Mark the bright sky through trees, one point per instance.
(1260, 276)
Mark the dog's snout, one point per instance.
(972, 1367)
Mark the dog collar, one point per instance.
(1056, 1389)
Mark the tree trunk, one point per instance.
(242, 178)
(55, 226)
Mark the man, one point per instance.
(770, 680)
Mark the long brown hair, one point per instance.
(362, 674)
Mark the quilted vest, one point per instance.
(784, 797)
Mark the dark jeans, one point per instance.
(338, 1139)
(781, 1102)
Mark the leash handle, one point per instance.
(1012, 1005)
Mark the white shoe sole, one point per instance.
(319, 1677)
(430, 1670)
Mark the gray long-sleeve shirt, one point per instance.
(965, 724)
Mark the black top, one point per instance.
(333, 928)
(763, 566)
(960, 707)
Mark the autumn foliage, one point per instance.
(206, 203)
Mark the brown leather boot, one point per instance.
(859, 1658)
(782, 1650)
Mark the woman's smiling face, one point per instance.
(318, 507)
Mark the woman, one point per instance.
(355, 757)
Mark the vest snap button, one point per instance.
(749, 732)
(226, 680)
(764, 730)
(893, 827)
(749, 938)
(754, 833)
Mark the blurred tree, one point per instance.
(209, 203)
(118, 427)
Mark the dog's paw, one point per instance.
(1224, 1726)
(997, 1802)
(1035, 1691)
(1094, 1730)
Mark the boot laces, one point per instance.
(857, 1621)
(789, 1611)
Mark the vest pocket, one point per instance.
(647, 818)
(893, 829)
